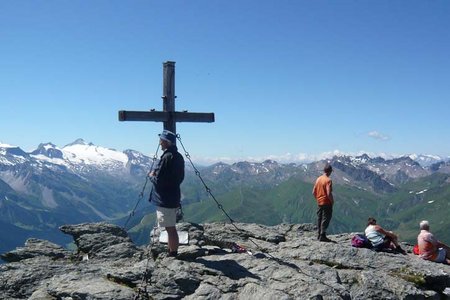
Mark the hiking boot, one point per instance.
(172, 254)
(323, 238)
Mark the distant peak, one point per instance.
(79, 141)
(425, 159)
(270, 161)
(49, 150)
(131, 151)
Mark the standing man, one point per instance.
(166, 194)
(323, 192)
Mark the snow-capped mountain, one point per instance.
(89, 154)
(79, 182)
(377, 174)
(396, 169)
(426, 160)
(48, 150)
(79, 157)
(11, 155)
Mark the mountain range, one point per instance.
(81, 182)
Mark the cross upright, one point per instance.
(168, 116)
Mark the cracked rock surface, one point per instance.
(284, 262)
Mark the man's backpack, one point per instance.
(360, 240)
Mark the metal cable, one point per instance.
(143, 292)
(220, 206)
(141, 194)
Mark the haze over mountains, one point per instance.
(81, 182)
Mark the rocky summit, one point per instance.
(221, 261)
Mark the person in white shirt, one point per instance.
(381, 238)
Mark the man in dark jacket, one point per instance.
(166, 195)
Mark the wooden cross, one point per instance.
(168, 116)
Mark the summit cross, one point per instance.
(168, 116)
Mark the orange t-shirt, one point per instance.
(320, 190)
(427, 245)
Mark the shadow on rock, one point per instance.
(229, 268)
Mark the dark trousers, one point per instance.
(324, 214)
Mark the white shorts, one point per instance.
(441, 255)
(167, 217)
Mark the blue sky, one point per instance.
(288, 80)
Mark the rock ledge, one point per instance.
(286, 263)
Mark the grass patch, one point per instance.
(335, 265)
(418, 279)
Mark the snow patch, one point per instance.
(50, 146)
(421, 192)
(56, 161)
(5, 161)
(2, 145)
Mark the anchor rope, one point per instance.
(220, 206)
(142, 291)
(141, 194)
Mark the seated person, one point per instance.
(429, 247)
(381, 239)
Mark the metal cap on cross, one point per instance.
(168, 116)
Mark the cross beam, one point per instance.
(168, 116)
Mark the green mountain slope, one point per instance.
(288, 202)
(427, 198)
(292, 202)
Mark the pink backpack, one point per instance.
(360, 241)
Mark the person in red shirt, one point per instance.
(323, 192)
(429, 247)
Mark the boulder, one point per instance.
(33, 248)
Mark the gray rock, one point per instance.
(101, 240)
(33, 248)
(285, 262)
(88, 286)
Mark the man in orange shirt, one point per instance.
(323, 192)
